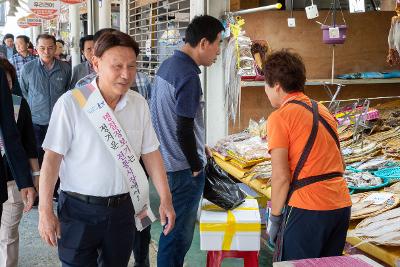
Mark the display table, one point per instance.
(386, 254)
(239, 174)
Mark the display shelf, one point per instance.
(329, 82)
(387, 254)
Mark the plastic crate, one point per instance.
(389, 173)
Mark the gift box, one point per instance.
(237, 229)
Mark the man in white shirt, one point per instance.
(101, 199)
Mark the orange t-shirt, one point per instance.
(290, 127)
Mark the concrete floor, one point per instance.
(34, 252)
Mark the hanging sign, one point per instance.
(33, 20)
(44, 8)
(72, 1)
(23, 23)
(48, 17)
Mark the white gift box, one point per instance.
(238, 229)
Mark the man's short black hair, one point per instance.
(60, 41)
(83, 40)
(24, 37)
(8, 36)
(203, 27)
(46, 36)
(97, 34)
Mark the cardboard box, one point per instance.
(236, 5)
(238, 229)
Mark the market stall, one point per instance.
(370, 138)
(364, 105)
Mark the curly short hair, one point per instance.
(287, 69)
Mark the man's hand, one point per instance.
(49, 228)
(208, 151)
(28, 197)
(194, 174)
(167, 216)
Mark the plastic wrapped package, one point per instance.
(258, 128)
(223, 145)
(394, 42)
(260, 50)
(250, 149)
(220, 189)
(246, 58)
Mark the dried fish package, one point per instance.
(374, 164)
(361, 179)
(393, 57)
(250, 149)
(382, 229)
(372, 203)
(223, 145)
(245, 57)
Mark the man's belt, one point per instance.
(112, 201)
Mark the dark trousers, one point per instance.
(40, 133)
(141, 248)
(142, 240)
(315, 234)
(94, 235)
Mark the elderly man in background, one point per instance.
(43, 81)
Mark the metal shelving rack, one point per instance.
(158, 27)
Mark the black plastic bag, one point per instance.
(220, 189)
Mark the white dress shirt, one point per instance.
(87, 166)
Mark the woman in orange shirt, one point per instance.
(310, 200)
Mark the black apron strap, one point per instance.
(322, 120)
(310, 142)
(311, 180)
(296, 183)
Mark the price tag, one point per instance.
(378, 198)
(334, 33)
(356, 6)
(347, 151)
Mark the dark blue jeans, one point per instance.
(186, 193)
(94, 235)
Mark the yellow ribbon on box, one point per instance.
(230, 228)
